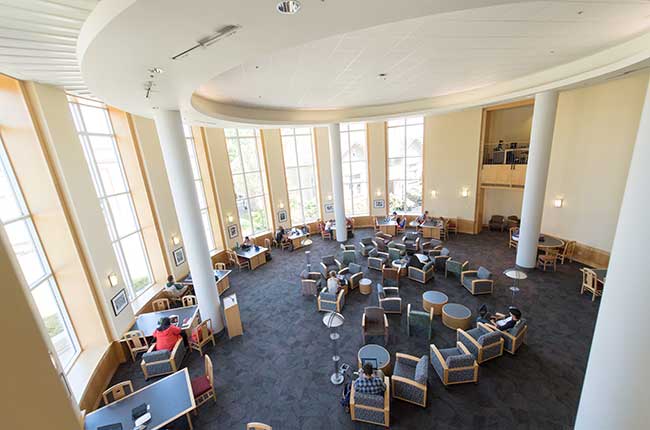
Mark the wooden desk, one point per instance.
(297, 238)
(148, 322)
(256, 257)
(231, 316)
(431, 229)
(220, 278)
(388, 227)
(168, 399)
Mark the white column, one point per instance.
(539, 155)
(181, 182)
(337, 182)
(616, 393)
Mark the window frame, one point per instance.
(48, 279)
(404, 124)
(292, 133)
(261, 170)
(85, 137)
(346, 129)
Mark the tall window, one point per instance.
(355, 168)
(26, 244)
(198, 185)
(103, 157)
(251, 189)
(300, 168)
(405, 137)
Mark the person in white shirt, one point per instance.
(333, 284)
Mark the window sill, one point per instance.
(141, 301)
(82, 370)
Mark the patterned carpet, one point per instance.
(278, 371)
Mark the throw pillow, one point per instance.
(483, 273)
(421, 370)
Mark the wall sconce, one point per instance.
(112, 279)
(329, 197)
(230, 218)
(464, 193)
(434, 194)
(378, 193)
(558, 203)
(281, 205)
(176, 240)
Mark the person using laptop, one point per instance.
(368, 382)
(506, 323)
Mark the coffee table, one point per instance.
(435, 300)
(516, 275)
(455, 316)
(378, 355)
(365, 286)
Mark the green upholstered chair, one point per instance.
(349, 256)
(419, 319)
(455, 267)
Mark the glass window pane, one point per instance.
(360, 196)
(254, 184)
(295, 204)
(249, 154)
(123, 214)
(347, 197)
(359, 172)
(396, 143)
(289, 149)
(309, 205)
(413, 168)
(207, 228)
(30, 257)
(95, 119)
(396, 122)
(10, 205)
(413, 197)
(235, 157)
(307, 177)
(108, 164)
(240, 186)
(230, 132)
(244, 218)
(246, 132)
(357, 146)
(258, 215)
(415, 120)
(396, 195)
(292, 178)
(304, 148)
(396, 168)
(136, 262)
(414, 138)
(200, 194)
(193, 161)
(345, 147)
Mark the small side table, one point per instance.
(365, 286)
(435, 300)
(455, 316)
(400, 265)
(515, 275)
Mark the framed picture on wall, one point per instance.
(378, 204)
(282, 216)
(119, 302)
(232, 231)
(329, 207)
(179, 256)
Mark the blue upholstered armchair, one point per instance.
(454, 365)
(514, 337)
(423, 275)
(409, 380)
(377, 259)
(440, 260)
(400, 247)
(353, 274)
(329, 263)
(163, 362)
(349, 256)
(366, 246)
(455, 267)
(380, 244)
(389, 299)
(419, 318)
(477, 281)
(371, 408)
(328, 302)
(394, 254)
(310, 283)
(482, 342)
(411, 241)
(431, 245)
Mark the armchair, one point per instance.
(374, 323)
(394, 254)
(349, 256)
(440, 260)
(377, 259)
(390, 277)
(454, 365)
(477, 281)
(423, 275)
(455, 267)
(514, 337)
(512, 243)
(496, 221)
(383, 236)
(430, 245)
(380, 244)
(163, 362)
(329, 263)
(348, 247)
(482, 342)
(328, 302)
(400, 247)
(366, 246)
(310, 283)
(421, 318)
(371, 408)
(411, 241)
(409, 380)
(353, 274)
(389, 299)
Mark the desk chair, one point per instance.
(201, 336)
(591, 283)
(452, 225)
(512, 243)
(136, 342)
(189, 300)
(237, 261)
(567, 251)
(160, 305)
(219, 266)
(117, 391)
(548, 259)
(203, 386)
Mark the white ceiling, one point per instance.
(38, 40)
(429, 56)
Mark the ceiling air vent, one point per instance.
(222, 33)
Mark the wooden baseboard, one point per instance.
(591, 256)
(466, 226)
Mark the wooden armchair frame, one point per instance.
(511, 242)
(385, 410)
(219, 266)
(171, 360)
(210, 394)
(136, 341)
(446, 370)
(567, 251)
(363, 327)
(160, 305)
(479, 357)
(394, 378)
(118, 391)
(201, 336)
(353, 282)
(476, 281)
(189, 300)
(338, 302)
(258, 426)
(413, 273)
(550, 257)
(515, 341)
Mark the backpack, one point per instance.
(345, 396)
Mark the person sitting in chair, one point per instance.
(166, 335)
(401, 222)
(502, 323)
(368, 382)
(279, 234)
(247, 242)
(422, 218)
(333, 283)
(415, 262)
(173, 289)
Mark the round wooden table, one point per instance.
(455, 316)
(435, 300)
(377, 355)
(365, 286)
(548, 242)
(401, 266)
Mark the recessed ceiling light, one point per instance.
(382, 76)
(157, 70)
(288, 7)
(580, 12)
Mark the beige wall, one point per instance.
(451, 155)
(595, 130)
(33, 395)
(322, 142)
(504, 202)
(509, 124)
(62, 142)
(277, 181)
(376, 133)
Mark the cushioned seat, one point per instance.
(389, 299)
(366, 246)
(454, 365)
(329, 263)
(352, 274)
(482, 342)
(477, 281)
(200, 385)
(410, 378)
(377, 259)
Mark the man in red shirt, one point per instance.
(166, 335)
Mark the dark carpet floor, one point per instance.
(278, 371)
